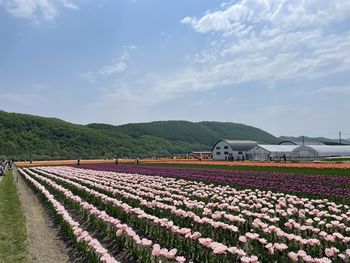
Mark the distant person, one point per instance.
(137, 160)
(31, 161)
(79, 161)
(116, 161)
(284, 158)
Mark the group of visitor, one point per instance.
(3, 165)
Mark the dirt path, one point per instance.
(44, 243)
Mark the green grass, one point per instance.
(12, 223)
(295, 170)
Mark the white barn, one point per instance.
(234, 150)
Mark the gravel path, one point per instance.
(44, 242)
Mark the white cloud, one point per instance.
(69, 4)
(112, 69)
(335, 90)
(119, 66)
(267, 62)
(268, 42)
(265, 42)
(48, 9)
(285, 14)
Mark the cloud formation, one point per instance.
(32, 9)
(244, 16)
(112, 69)
(121, 65)
(268, 43)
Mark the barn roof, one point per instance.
(239, 145)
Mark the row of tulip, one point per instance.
(156, 190)
(175, 192)
(184, 239)
(183, 215)
(145, 249)
(335, 187)
(272, 241)
(314, 165)
(135, 198)
(90, 247)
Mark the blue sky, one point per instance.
(280, 65)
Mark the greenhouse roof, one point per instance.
(331, 150)
(278, 148)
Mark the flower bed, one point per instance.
(335, 187)
(90, 247)
(186, 220)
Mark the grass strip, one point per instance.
(13, 233)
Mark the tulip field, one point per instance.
(157, 214)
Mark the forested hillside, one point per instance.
(31, 137)
(206, 133)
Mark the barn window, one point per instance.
(226, 153)
(217, 147)
(217, 153)
(225, 147)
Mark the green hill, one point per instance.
(206, 133)
(31, 137)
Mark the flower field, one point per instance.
(168, 216)
(334, 187)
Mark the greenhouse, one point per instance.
(297, 152)
(329, 150)
(272, 152)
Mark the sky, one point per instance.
(280, 65)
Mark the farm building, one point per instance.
(234, 150)
(297, 152)
(201, 155)
(323, 151)
(271, 152)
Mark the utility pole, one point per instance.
(340, 137)
(303, 141)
